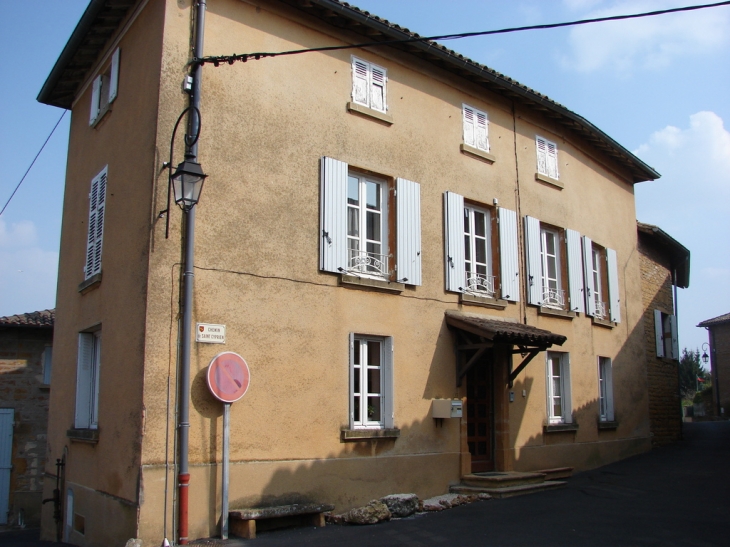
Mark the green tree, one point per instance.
(690, 370)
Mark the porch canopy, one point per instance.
(476, 334)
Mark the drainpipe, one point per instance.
(187, 304)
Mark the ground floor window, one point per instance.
(605, 389)
(558, 388)
(371, 381)
(87, 380)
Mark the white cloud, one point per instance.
(27, 272)
(646, 43)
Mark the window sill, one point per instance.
(102, 114)
(90, 436)
(483, 301)
(560, 428)
(476, 153)
(383, 285)
(370, 113)
(90, 284)
(607, 425)
(351, 435)
(557, 313)
(549, 181)
(603, 323)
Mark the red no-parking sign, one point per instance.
(228, 377)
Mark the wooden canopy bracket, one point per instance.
(464, 344)
(530, 356)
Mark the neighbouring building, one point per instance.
(664, 267)
(718, 330)
(382, 228)
(26, 347)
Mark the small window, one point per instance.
(558, 388)
(87, 380)
(605, 389)
(97, 208)
(104, 89)
(371, 384)
(547, 158)
(47, 361)
(369, 85)
(476, 128)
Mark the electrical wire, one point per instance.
(33, 162)
(244, 57)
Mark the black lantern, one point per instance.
(705, 357)
(187, 183)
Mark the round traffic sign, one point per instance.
(228, 377)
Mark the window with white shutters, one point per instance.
(87, 380)
(559, 409)
(547, 158)
(369, 84)
(476, 131)
(356, 212)
(470, 262)
(371, 382)
(104, 89)
(665, 330)
(97, 207)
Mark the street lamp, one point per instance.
(187, 182)
(705, 357)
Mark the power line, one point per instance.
(33, 162)
(243, 57)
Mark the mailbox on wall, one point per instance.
(446, 408)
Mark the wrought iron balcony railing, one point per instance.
(553, 298)
(363, 262)
(482, 285)
(601, 309)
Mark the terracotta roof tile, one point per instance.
(716, 321)
(504, 331)
(43, 318)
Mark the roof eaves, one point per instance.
(680, 254)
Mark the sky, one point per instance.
(659, 86)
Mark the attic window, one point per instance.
(104, 90)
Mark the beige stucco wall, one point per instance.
(266, 124)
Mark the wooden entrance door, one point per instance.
(480, 415)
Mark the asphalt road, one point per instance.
(672, 496)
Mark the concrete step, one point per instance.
(508, 491)
(499, 479)
(556, 473)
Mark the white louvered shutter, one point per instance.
(377, 88)
(534, 264)
(351, 351)
(675, 339)
(95, 369)
(552, 160)
(575, 271)
(509, 255)
(388, 387)
(333, 219)
(97, 208)
(482, 137)
(613, 292)
(114, 76)
(95, 96)
(408, 219)
(84, 381)
(454, 223)
(469, 126)
(659, 333)
(588, 271)
(567, 391)
(541, 146)
(360, 82)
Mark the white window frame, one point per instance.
(369, 85)
(360, 346)
(605, 389)
(552, 296)
(87, 380)
(562, 382)
(47, 362)
(104, 90)
(478, 283)
(476, 127)
(547, 157)
(95, 234)
(597, 258)
(361, 261)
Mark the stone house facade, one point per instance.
(664, 267)
(26, 344)
(718, 330)
(382, 229)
